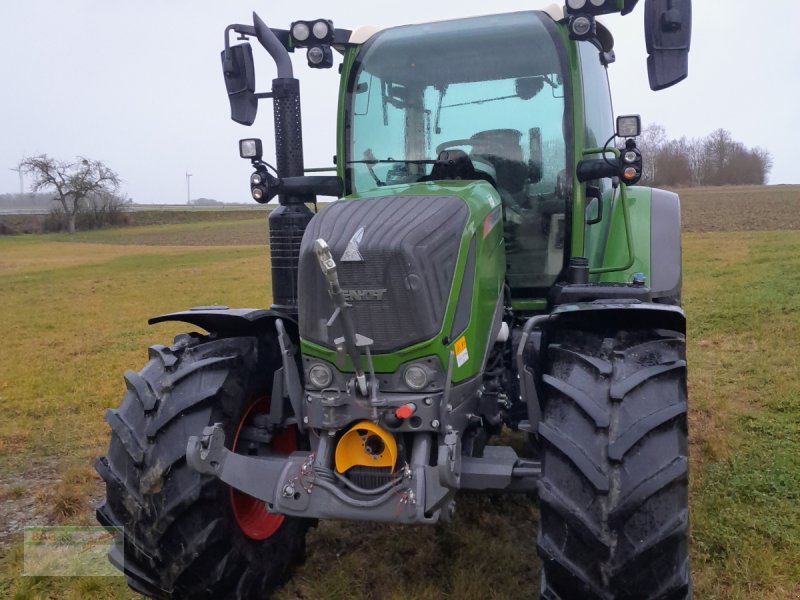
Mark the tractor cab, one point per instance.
(491, 87)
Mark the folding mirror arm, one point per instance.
(268, 39)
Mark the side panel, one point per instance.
(656, 223)
(616, 248)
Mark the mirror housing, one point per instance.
(240, 81)
(668, 32)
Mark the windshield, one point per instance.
(490, 86)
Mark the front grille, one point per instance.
(370, 478)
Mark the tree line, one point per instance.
(714, 160)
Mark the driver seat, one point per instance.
(503, 149)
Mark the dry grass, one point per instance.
(74, 320)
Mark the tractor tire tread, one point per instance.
(180, 538)
(614, 486)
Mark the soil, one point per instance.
(743, 208)
(23, 503)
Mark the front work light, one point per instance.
(599, 7)
(305, 33)
(321, 30)
(320, 57)
(301, 31)
(582, 27)
(250, 149)
(629, 126)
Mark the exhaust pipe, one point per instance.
(288, 222)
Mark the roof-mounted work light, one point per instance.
(582, 27)
(320, 57)
(599, 7)
(312, 33)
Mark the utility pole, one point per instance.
(21, 183)
(188, 188)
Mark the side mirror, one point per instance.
(240, 81)
(668, 32)
(536, 162)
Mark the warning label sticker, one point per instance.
(462, 356)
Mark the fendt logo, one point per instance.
(352, 252)
(364, 295)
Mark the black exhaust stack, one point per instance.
(287, 223)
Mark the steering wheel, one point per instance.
(453, 144)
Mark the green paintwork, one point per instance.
(578, 141)
(607, 241)
(529, 306)
(347, 66)
(482, 200)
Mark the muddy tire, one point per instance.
(614, 487)
(184, 536)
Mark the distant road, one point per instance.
(23, 211)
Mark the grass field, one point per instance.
(74, 313)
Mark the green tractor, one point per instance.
(488, 264)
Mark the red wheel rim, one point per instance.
(255, 521)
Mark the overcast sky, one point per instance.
(138, 83)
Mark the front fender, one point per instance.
(623, 314)
(230, 322)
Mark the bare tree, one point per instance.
(674, 164)
(653, 138)
(717, 159)
(73, 182)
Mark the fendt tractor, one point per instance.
(488, 265)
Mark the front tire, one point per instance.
(614, 486)
(188, 535)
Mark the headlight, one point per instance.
(320, 376)
(256, 179)
(576, 4)
(416, 377)
(597, 3)
(631, 157)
